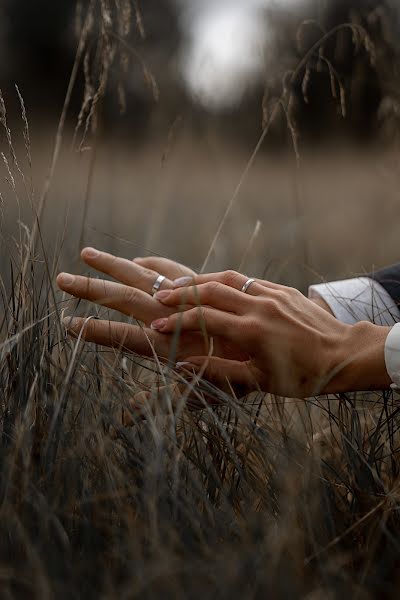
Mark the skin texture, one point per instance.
(294, 347)
(272, 338)
(130, 295)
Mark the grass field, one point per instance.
(262, 497)
(140, 204)
(259, 497)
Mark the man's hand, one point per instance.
(294, 348)
(322, 304)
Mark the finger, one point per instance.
(141, 341)
(115, 334)
(229, 278)
(155, 402)
(175, 396)
(127, 300)
(167, 267)
(204, 319)
(125, 271)
(213, 294)
(227, 375)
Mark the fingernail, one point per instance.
(159, 324)
(162, 295)
(184, 366)
(66, 279)
(182, 282)
(91, 253)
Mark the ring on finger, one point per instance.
(157, 284)
(246, 286)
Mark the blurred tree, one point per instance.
(39, 42)
(40, 46)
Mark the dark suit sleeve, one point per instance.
(389, 279)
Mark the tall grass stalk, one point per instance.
(252, 498)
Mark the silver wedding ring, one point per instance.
(246, 286)
(157, 284)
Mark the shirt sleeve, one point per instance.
(362, 299)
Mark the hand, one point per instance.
(131, 296)
(169, 268)
(159, 402)
(293, 347)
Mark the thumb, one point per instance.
(228, 375)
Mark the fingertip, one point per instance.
(190, 364)
(159, 324)
(72, 323)
(89, 253)
(184, 366)
(163, 295)
(65, 280)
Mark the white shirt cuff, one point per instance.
(360, 299)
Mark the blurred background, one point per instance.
(170, 100)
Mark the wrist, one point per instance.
(319, 301)
(359, 363)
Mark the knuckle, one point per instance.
(298, 295)
(149, 273)
(280, 296)
(293, 292)
(130, 296)
(290, 296)
(198, 315)
(271, 306)
(212, 288)
(230, 278)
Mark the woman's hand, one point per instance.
(292, 346)
(159, 401)
(164, 266)
(131, 295)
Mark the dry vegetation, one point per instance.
(260, 497)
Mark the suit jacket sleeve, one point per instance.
(389, 279)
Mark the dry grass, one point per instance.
(260, 497)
